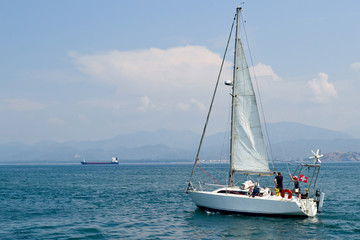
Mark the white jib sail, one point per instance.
(248, 147)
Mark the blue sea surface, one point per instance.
(148, 202)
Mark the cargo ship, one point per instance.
(114, 160)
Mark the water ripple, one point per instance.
(137, 202)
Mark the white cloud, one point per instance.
(355, 66)
(146, 104)
(264, 71)
(164, 80)
(200, 106)
(173, 67)
(20, 105)
(193, 104)
(322, 89)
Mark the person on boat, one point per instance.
(297, 189)
(256, 191)
(279, 181)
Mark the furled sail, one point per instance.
(248, 151)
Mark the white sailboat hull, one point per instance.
(244, 204)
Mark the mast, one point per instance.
(231, 171)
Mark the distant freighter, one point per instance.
(113, 161)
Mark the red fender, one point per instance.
(286, 191)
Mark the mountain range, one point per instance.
(289, 142)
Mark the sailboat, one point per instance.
(249, 158)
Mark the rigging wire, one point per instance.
(258, 91)
(209, 175)
(211, 105)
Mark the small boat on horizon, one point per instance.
(114, 160)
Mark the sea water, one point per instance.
(148, 202)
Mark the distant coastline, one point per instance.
(335, 157)
(290, 142)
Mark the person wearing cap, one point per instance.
(297, 189)
(278, 181)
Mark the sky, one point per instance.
(92, 70)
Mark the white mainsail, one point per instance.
(248, 152)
